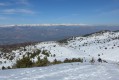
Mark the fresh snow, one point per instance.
(69, 71)
(105, 44)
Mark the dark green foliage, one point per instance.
(100, 60)
(67, 60)
(11, 58)
(42, 62)
(36, 53)
(28, 54)
(23, 63)
(38, 58)
(8, 67)
(24, 49)
(33, 55)
(45, 53)
(23, 56)
(54, 55)
(45, 61)
(56, 62)
(73, 60)
(26, 62)
(3, 68)
(77, 60)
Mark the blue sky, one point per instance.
(59, 11)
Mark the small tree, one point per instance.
(42, 62)
(45, 53)
(8, 67)
(100, 60)
(54, 55)
(45, 61)
(92, 61)
(56, 61)
(3, 68)
(38, 58)
(23, 63)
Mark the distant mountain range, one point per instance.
(18, 34)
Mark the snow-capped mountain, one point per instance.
(103, 44)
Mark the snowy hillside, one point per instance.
(70, 71)
(104, 45)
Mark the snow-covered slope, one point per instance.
(70, 71)
(104, 44)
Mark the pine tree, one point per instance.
(23, 63)
(3, 68)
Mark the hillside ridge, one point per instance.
(103, 44)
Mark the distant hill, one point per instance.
(102, 45)
(11, 35)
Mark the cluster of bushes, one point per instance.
(53, 55)
(26, 62)
(45, 53)
(3, 68)
(56, 62)
(42, 62)
(23, 63)
(92, 61)
(73, 60)
(37, 52)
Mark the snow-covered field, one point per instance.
(69, 71)
(104, 45)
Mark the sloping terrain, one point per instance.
(103, 44)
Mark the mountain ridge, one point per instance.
(96, 46)
(12, 35)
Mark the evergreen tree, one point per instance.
(3, 68)
(23, 63)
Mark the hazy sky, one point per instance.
(59, 11)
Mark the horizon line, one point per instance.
(32, 25)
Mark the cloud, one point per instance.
(4, 4)
(24, 2)
(16, 11)
(15, 2)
